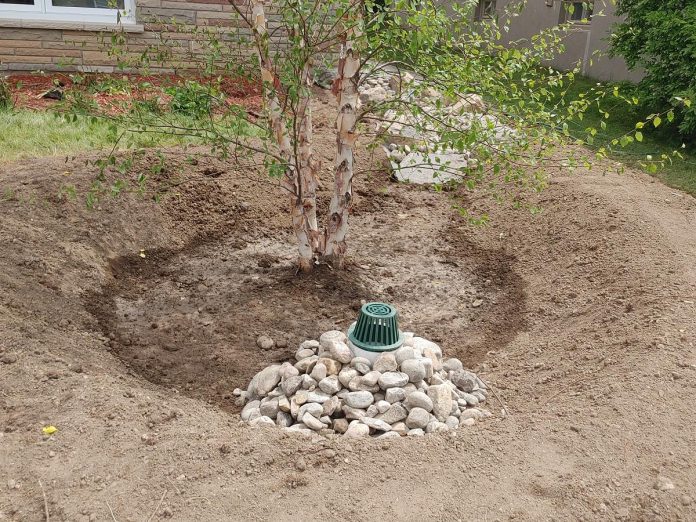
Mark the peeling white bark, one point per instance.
(307, 163)
(295, 181)
(346, 89)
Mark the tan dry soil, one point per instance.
(586, 329)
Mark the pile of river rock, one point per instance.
(410, 391)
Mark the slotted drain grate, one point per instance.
(377, 328)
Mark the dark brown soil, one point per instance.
(585, 326)
(189, 318)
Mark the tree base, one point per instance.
(304, 265)
(336, 261)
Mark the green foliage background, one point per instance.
(659, 36)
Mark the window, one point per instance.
(485, 9)
(97, 11)
(576, 12)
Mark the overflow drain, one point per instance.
(377, 328)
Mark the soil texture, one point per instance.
(128, 326)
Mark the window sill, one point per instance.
(72, 26)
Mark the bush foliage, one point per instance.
(659, 36)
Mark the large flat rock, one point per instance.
(430, 167)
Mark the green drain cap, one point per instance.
(377, 328)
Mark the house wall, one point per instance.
(47, 46)
(581, 43)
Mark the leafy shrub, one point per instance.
(79, 101)
(193, 99)
(146, 105)
(5, 94)
(659, 36)
(110, 85)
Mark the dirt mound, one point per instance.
(582, 318)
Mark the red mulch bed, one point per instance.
(27, 89)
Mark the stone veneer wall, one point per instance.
(61, 46)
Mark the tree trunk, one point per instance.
(293, 180)
(346, 89)
(306, 161)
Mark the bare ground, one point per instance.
(586, 330)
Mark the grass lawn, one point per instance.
(680, 174)
(27, 134)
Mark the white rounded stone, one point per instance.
(386, 362)
(403, 354)
(283, 419)
(303, 354)
(262, 421)
(469, 398)
(393, 395)
(318, 396)
(332, 336)
(382, 406)
(330, 385)
(442, 401)
(464, 380)
(417, 418)
(305, 364)
(251, 406)
(308, 383)
(359, 399)
(400, 428)
(395, 413)
(452, 422)
(392, 380)
(312, 408)
(346, 375)
(436, 427)
(330, 406)
(353, 413)
(341, 352)
(357, 430)
(311, 344)
(312, 422)
(318, 372)
(287, 370)
(376, 424)
(414, 369)
(419, 400)
(264, 381)
(470, 413)
(430, 350)
(269, 408)
(290, 385)
(452, 365)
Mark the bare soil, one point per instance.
(585, 322)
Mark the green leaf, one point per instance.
(639, 136)
(657, 121)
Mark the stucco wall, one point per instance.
(580, 43)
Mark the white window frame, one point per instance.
(44, 10)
